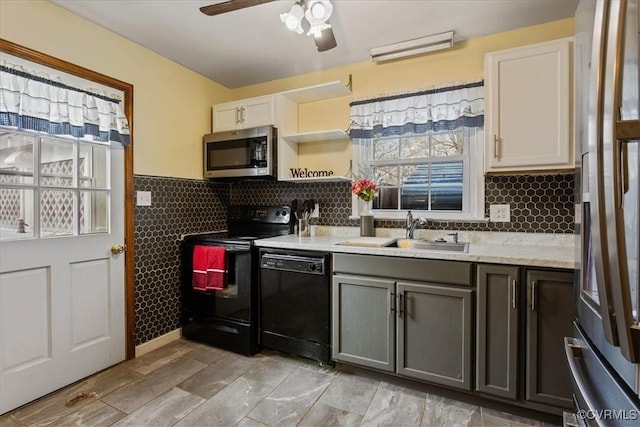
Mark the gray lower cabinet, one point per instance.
(434, 333)
(547, 309)
(427, 326)
(550, 313)
(363, 321)
(497, 330)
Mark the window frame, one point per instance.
(473, 181)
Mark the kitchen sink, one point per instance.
(430, 245)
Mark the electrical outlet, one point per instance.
(500, 213)
(143, 198)
(316, 211)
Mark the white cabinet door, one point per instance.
(247, 113)
(528, 108)
(226, 117)
(257, 112)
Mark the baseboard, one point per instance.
(155, 343)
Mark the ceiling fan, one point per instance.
(316, 12)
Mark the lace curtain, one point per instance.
(45, 104)
(444, 107)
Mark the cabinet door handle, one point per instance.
(514, 300)
(243, 116)
(400, 305)
(533, 295)
(392, 300)
(496, 141)
(238, 116)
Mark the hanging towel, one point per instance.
(217, 268)
(200, 264)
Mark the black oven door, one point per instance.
(233, 303)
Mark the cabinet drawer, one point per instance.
(424, 270)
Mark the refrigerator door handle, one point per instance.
(596, 172)
(625, 66)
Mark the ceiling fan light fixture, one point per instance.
(318, 11)
(293, 18)
(317, 29)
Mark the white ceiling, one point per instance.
(252, 46)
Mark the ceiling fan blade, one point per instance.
(326, 41)
(230, 6)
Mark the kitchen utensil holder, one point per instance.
(303, 228)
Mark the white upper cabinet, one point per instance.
(242, 114)
(528, 92)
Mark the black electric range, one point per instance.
(228, 318)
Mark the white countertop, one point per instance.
(528, 249)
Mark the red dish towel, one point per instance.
(217, 268)
(200, 263)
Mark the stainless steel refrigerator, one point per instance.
(604, 353)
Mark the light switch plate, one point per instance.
(499, 213)
(143, 198)
(315, 213)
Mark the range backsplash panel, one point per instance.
(539, 203)
(179, 206)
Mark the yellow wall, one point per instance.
(172, 105)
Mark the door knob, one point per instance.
(117, 249)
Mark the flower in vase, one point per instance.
(365, 189)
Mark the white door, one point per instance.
(62, 296)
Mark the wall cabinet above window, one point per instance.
(243, 114)
(528, 92)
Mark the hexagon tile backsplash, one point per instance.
(539, 204)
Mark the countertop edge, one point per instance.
(475, 253)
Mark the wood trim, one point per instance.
(59, 64)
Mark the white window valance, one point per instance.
(38, 102)
(444, 107)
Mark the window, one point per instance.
(424, 150)
(436, 173)
(52, 186)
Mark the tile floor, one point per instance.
(188, 384)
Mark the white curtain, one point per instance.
(444, 107)
(45, 104)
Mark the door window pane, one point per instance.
(16, 158)
(94, 212)
(16, 215)
(93, 166)
(56, 162)
(56, 213)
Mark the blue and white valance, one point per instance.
(43, 104)
(445, 107)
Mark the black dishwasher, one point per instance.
(295, 303)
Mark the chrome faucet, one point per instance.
(455, 237)
(411, 224)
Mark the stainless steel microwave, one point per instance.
(244, 153)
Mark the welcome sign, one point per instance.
(306, 173)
